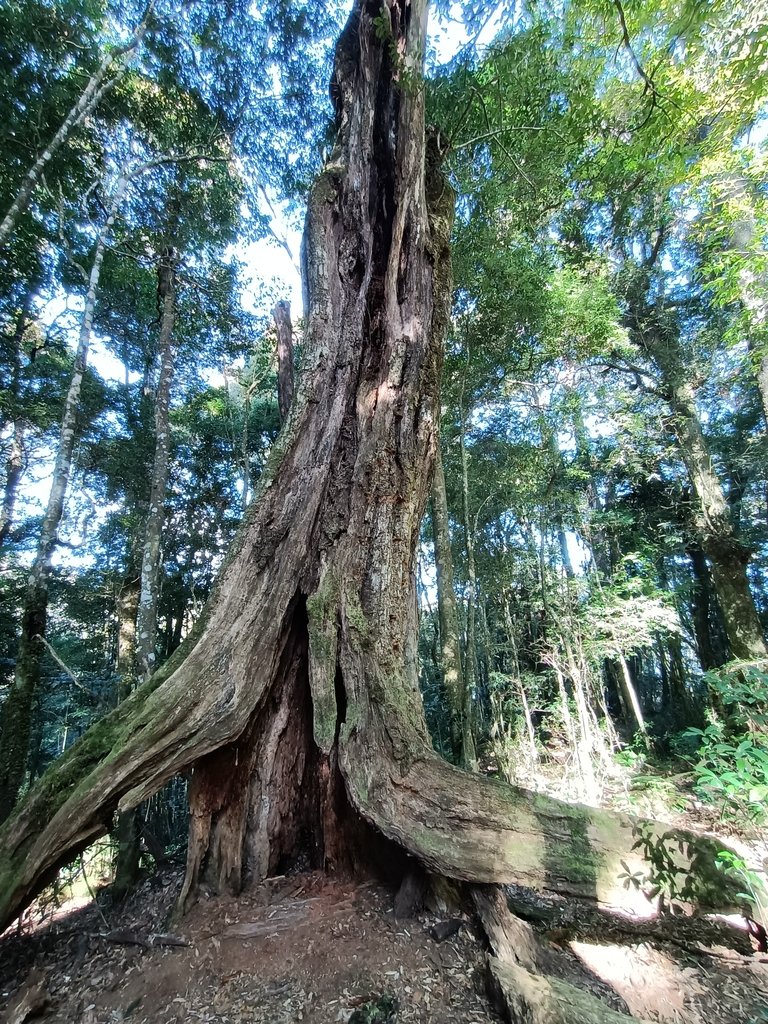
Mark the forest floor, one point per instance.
(305, 947)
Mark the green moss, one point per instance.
(322, 624)
(326, 186)
(357, 624)
(322, 611)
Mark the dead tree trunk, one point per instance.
(284, 330)
(295, 702)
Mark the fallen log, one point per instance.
(525, 998)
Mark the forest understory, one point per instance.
(306, 946)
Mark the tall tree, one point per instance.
(101, 81)
(146, 619)
(17, 709)
(448, 612)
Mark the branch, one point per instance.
(641, 376)
(65, 668)
(86, 104)
(649, 83)
(280, 239)
(494, 133)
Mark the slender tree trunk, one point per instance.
(295, 700)
(447, 606)
(513, 670)
(14, 467)
(89, 99)
(128, 855)
(127, 610)
(468, 752)
(629, 693)
(284, 330)
(245, 458)
(14, 742)
(127, 832)
(760, 361)
(146, 621)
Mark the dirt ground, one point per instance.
(309, 948)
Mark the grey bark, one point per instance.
(468, 751)
(146, 619)
(447, 606)
(727, 556)
(14, 466)
(753, 285)
(284, 328)
(14, 469)
(127, 608)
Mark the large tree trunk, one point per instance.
(711, 646)
(295, 702)
(727, 556)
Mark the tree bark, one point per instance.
(128, 852)
(447, 607)
(127, 610)
(526, 998)
(146, 619)
(738, 191)
(295, 701)
(468, 751)
(284, 330)
(14, 741)
(727, 556)
(705, 611)
(712, 517)
(14, 466)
